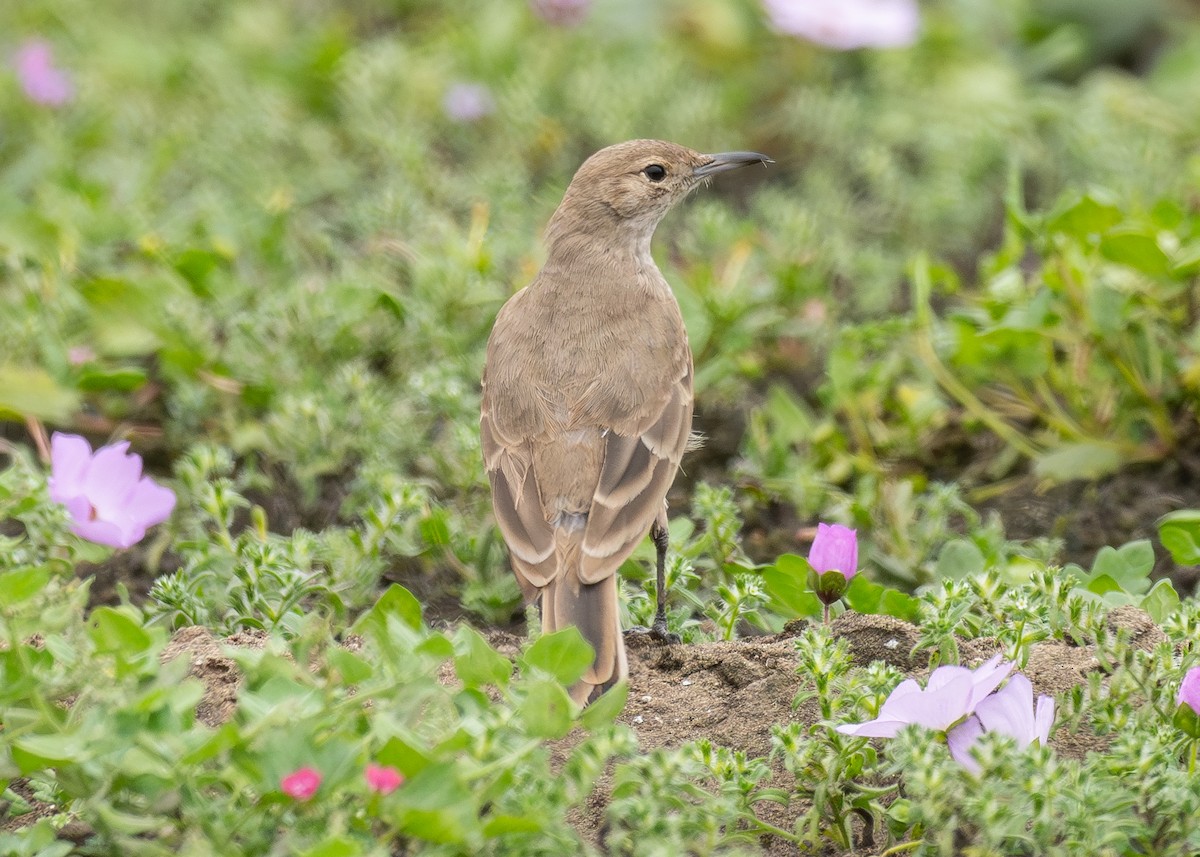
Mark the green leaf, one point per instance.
(352, 668)
(477, 663)
(407, 758)
(436, 807)
(1129, 565)
(1179, 533)
(564, 654)
(122, 314)
(35, 752)
(1186, 262)
(196, 265)
(33, 392)
(899, 604)
(786, 584)
(1084, 460)
(959, 559)
(221, 741)
(116, 632)
(607, 708)
(334, 846)
(501, 825)
(1102, 584)
(1086, 217)
(436, 646)
(1162, 601)
(396, 601)
(1137, 250)
(121, 380)
(1187, 721)
(391, 304)
(546, 709)
(435, 528)
(865, 596)
(22, 584)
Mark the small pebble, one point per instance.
(686, 682)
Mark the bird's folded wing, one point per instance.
(518, 503)
(636, 474)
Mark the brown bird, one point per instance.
(587, 396)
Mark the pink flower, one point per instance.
(109, 500)
(563, 13)
(382, 779)
(950, 695)
(468, 102)
(1189, 690)
(834, 549)
(301, 784)
(1187, 705)
(847, 24)
(43, 82)
(1010, 711)
(77, 355)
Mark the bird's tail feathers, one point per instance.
(594, 609)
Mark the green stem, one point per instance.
(767, 827)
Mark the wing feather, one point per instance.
(634, 484)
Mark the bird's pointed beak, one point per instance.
(723, 161)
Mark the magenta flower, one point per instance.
(42, 81)
(563, 13)
(847, 24)
(1010, 711)
(109, 500)
(1187, 707)
(382, 779)
(950, 695)
(468, 102)
(1189, 690)
(834, 561)
(834, 549)
(301, 784)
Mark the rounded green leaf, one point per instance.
(477, 663)
(564, 654)
(546, 709)
(22, 584)
(1179, 533)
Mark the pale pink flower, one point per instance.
(108, 498)
(564, 13)
(301, 784)
(383, 779)
(77, 355)
(847, 24)
(951, 694)
(42, 81)
(1010, 711)
(468, 102)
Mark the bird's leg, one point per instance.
(659, 630)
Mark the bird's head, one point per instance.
(627, 188)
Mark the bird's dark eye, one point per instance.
(655, 172)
